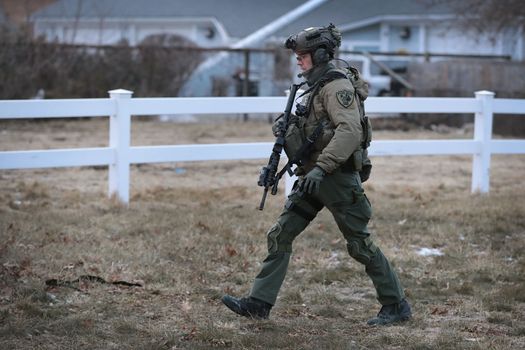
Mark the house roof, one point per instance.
(239, 17)
(344, 13)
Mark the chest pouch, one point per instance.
(294, 138)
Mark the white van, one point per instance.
(380, 83)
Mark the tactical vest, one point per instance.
(359, 160)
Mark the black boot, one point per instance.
(392, 313)
(248, 307)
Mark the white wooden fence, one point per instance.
(120, 107)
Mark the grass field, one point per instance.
(192, 233)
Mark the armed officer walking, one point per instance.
(330, 175)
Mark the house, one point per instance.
(403, 26)
(207, 23)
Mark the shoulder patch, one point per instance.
(344, 97)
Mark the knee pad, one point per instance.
(272, 235)
(362, 250)
(275, 241)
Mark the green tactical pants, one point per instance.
(342, 194)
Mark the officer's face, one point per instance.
(304, 61)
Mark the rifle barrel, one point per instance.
(265, 193)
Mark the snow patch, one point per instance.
(429, 252)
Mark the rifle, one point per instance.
(269, 176)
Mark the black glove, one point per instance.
(312, 181)
(278, 126)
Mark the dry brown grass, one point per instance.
(192, 233)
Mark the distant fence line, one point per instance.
(120, 106)
(270, 50)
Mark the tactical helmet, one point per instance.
(320, 42)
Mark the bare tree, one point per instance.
(485, 16)
(166, 62)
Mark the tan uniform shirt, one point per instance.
(335, 104)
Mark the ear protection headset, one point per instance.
(320, 55)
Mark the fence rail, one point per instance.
(120, 107)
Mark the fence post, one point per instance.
(119, 140)
(483, 135)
